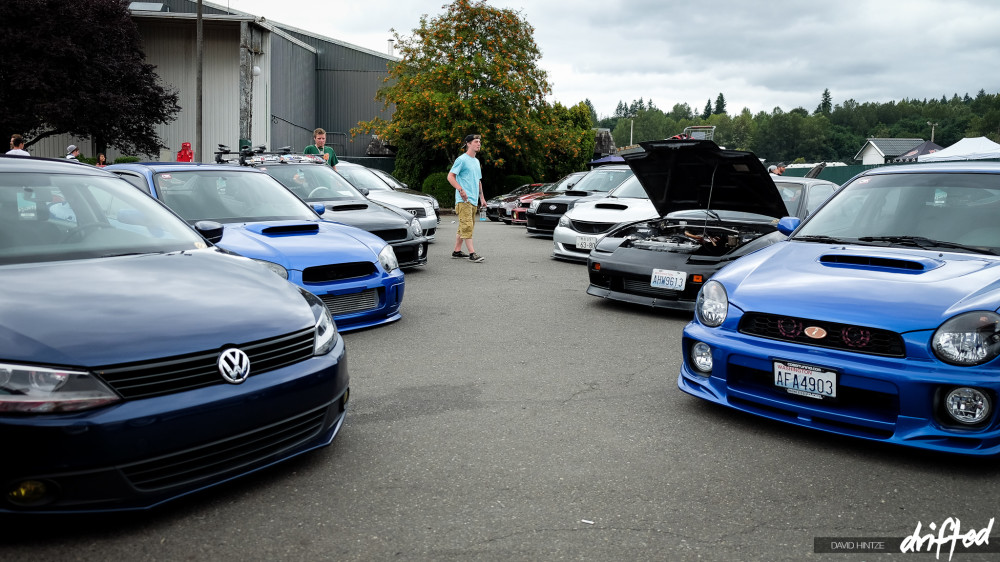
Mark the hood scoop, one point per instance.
(880, 263)
(612, 206)
(349, 207)
(283, 229)
(576, 193)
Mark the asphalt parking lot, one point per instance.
(510, 416)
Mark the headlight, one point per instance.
(712, 305)
(277, 269)
(388, 259)
(534, 205)
(325, 330)
(38, 390)
(418, 231)
(968, 339)
(564, 221)
(435, 203)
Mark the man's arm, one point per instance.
(453, 180)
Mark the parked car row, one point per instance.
(870, 310)
(206, 305)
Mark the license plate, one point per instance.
(586, 242)
(805, 380)
(667, 279)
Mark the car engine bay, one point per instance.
(688, 237)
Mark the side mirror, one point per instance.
(211, 230)
(788, 224)
(319, 208)
(364, 191)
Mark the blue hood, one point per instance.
(159, 305)
(899, 290)
(297, 245)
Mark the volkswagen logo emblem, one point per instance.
(234, 366)
(815, 332)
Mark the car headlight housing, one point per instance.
(969, 339)
(277, 269)
(387, 258)
(39, 390)
(712, 305)
(564, 221)
(325, 329)
(418, 230)
(534, 205)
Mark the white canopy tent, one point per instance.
(978, 148)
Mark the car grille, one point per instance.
(185, 372)
(351, 303)
(226, 455)
(338, 272)
(418, 212)
(547, 208)
(391, 235)
(846, 337)
(584, 227)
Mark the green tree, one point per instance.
(708, 110)
(78, 68)
(720, 105)
(473, 69)
(826, 104)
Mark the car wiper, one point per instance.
(131, 254)
(925, 243)
(821, 239)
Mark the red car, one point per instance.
(519, 212)
(508, 204)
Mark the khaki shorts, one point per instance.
(466, 219)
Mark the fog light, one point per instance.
(967, 405)
(701, 357)
(30, 493)
(420, 250)
(597, 266)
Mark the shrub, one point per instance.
(437, 185)
(512, 182)
(126, 159)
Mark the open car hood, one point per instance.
(696, 174)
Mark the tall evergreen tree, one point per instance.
(826, 104)
(720, 105)
(708, 109)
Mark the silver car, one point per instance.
(374, 187)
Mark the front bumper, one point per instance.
(564, 245)
(142, 453)
(883, 399)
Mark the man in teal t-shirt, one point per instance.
(319, 137)
(466, 177)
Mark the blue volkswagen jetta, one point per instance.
(139, 362)
(878, 318)
(353, 271)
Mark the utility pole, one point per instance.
(933, 125)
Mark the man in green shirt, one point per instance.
(319, 137)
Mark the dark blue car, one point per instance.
(139, 362)
(353, 271)
(877, 318)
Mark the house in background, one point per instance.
(880, 151)
(264, 83)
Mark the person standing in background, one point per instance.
(17, 146)
(466, 176)
(319, 137)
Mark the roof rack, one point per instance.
(248, 156)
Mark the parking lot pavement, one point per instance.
(510, 416)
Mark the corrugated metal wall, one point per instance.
(347, 80)
(293, 94)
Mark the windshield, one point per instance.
(315, 182)
(603, 180)
(956, 208)
(237, 195)
(567, 183)
(50, 217)
(631, 189)
(360, 176)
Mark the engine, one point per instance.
(691, 237)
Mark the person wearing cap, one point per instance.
(466, 176)
(17, 146)
(777, 169)
(319, 137)
(72, 153)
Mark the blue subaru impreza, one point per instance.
(877, 318)
(354, 272)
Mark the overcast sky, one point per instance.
(759, 55)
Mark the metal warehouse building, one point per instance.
(263, 82)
